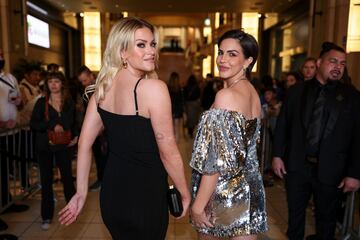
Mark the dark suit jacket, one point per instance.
(339, 152)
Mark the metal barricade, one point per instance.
(19, 175)
(265, 152)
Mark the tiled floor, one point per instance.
(89, 226)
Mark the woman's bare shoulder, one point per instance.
(155, 89)
(154, 86)
(224, 98)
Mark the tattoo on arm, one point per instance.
(159, 136)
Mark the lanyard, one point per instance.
(3, 80)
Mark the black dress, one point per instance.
(133, 193)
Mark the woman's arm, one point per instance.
(161, 120)
(208, 182)
(91, 127)
(206, 189)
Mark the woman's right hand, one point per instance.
(72, 210)
(58, 128)
(199, 218)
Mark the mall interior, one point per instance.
(73, 33)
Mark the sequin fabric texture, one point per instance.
(226, 143)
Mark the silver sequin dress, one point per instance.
(226, 143)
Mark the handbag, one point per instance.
(174, 201)
(56, 138)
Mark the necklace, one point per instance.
(235, 82)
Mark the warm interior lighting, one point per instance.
(353, 34)
(207, 22)
(270, 20)
(287, 51)
(70, 19)
(225, 18)
(206, 66)
(216, 70)
(125, 14)
(286, 63)
(250, 24)
(217, 20)
(207, 34)
(92, 40)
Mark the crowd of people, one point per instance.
(312, 117)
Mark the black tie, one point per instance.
(314, 131)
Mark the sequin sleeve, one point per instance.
(218, 146)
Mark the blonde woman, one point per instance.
(141, 142)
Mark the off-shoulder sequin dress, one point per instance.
(226, 143)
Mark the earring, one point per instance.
(125, 64)
(244, 69)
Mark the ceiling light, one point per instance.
(36, 8)
(207, 21)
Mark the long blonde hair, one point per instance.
(121, 38)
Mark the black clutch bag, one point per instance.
(174, 201)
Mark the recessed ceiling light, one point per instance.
(207, 22)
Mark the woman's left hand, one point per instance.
(73, 141)
(200, 219)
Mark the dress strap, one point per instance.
(136, 104)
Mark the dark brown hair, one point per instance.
(248, 44)
(174, 82)
(64, 91)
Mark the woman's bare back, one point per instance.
(242, 98)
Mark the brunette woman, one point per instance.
(55, 111)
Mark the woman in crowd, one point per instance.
(308, 68)
(192, 103)
(177, 102)
(135, 112)
(227, 188)
(292, 78)
(55, 111)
